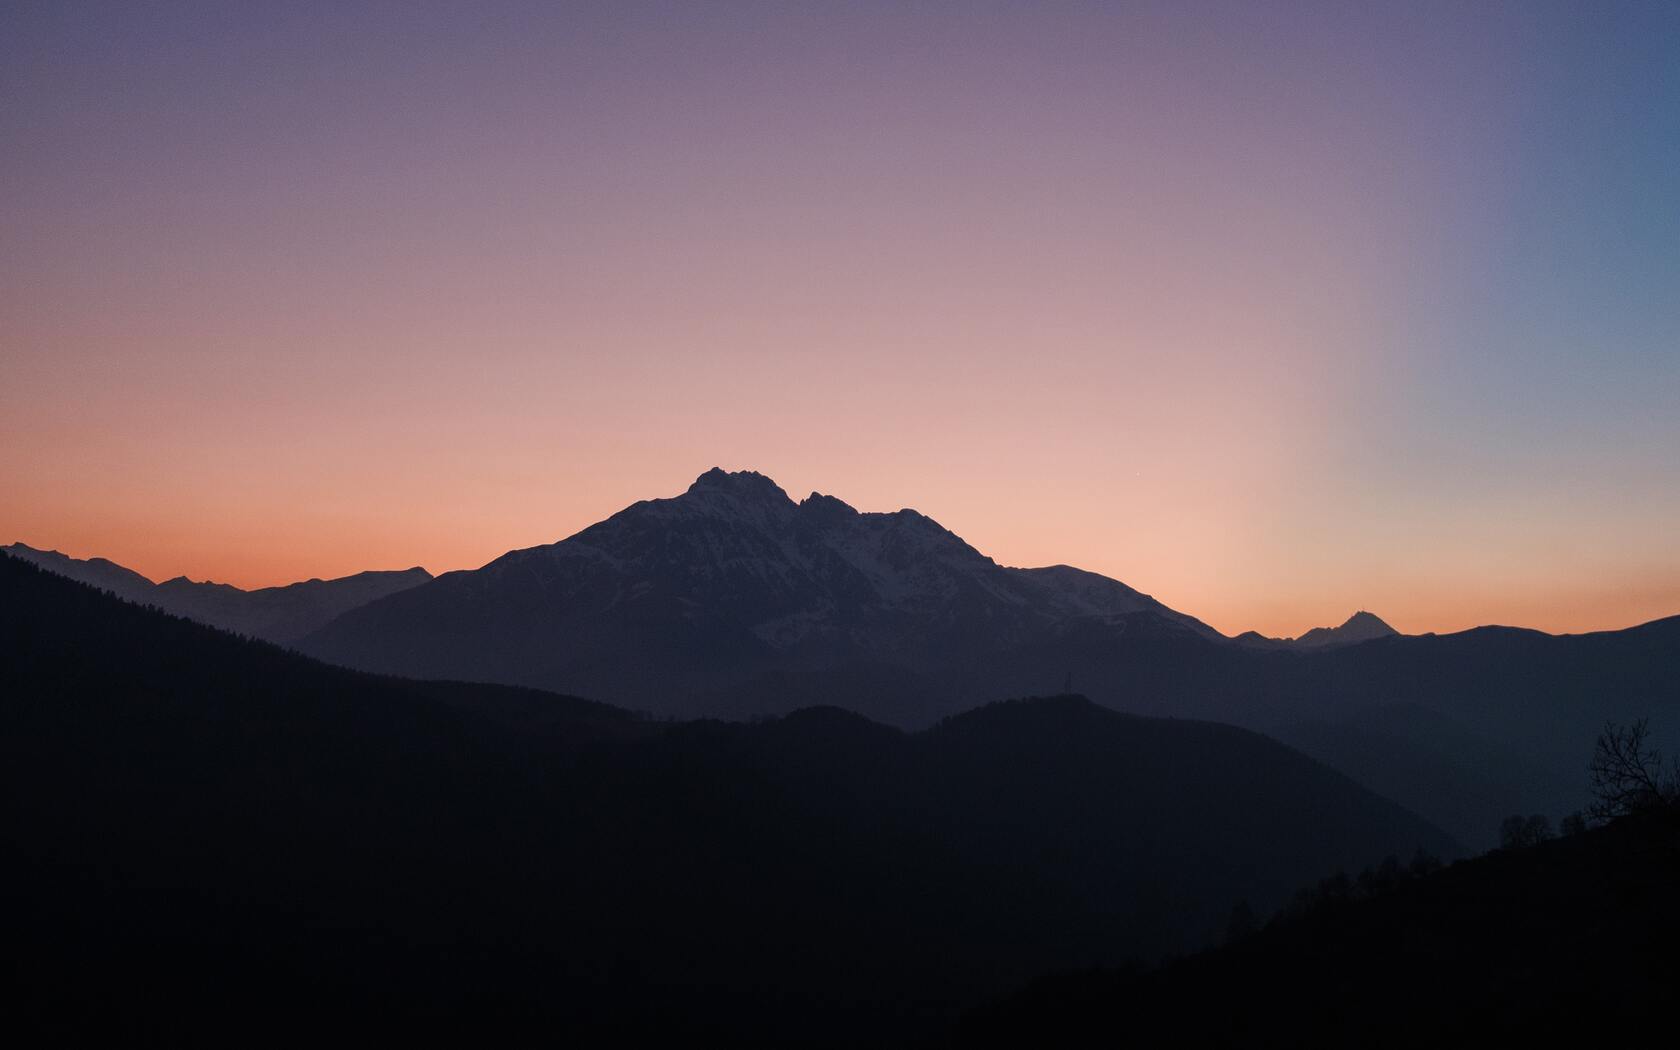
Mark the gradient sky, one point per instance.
(1272, 313)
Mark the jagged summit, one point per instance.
(718, 494)
(742, 484)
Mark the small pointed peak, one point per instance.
(1367, 621)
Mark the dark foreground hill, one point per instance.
(1575, 941)
(210, 837)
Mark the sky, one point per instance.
(1274, 312)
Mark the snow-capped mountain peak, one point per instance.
(733, 577)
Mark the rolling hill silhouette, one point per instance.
(218, 830)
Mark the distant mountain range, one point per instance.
(733, 600)
(219, 829)
(275, 614)
(678, 604)
(799, 585)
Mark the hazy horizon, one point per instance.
(1271, 314)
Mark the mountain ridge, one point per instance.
(282, 614)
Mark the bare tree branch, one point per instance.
(1628, 774)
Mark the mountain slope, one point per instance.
(211, 829)
(275, 614)
(95, 572)
(673, 601)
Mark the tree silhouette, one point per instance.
(1518, 831)
(1628, 773)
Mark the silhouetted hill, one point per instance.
(1572, 940)
(1463, 728)
(275, 614)
(210, 830)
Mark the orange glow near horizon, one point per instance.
(1208, 582)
